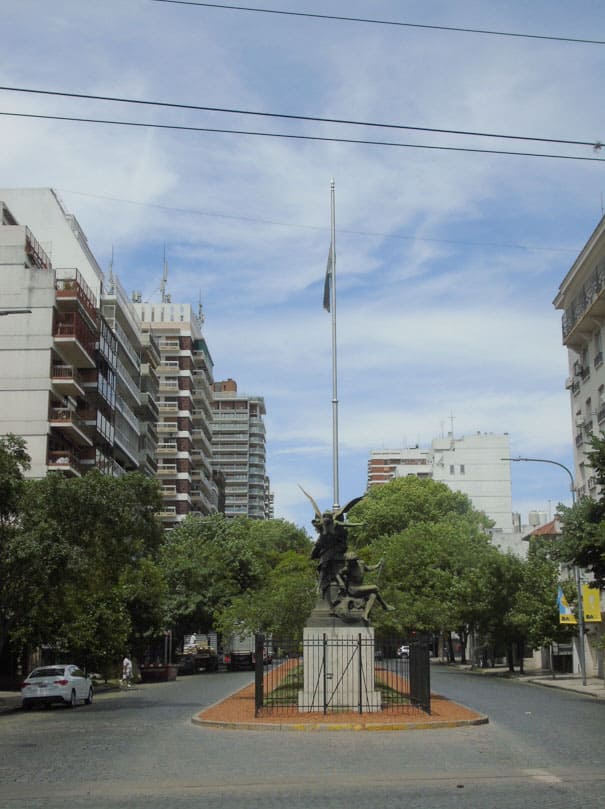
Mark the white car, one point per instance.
(66, 684)
(403, 651)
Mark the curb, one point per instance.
(481, 719)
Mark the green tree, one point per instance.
(391, 508)
(14, 462)
(215, 568)
(583, 539)
(280, 606)
(78, 538)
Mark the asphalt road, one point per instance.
(138, 749)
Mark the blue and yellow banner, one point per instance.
(566, 615)
(591, 603)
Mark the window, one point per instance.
(462, 471)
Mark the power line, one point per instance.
(288, 136)
(308, 118)
(397, 23)
(257, 220)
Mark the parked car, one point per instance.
(403, 651)
(65, 684)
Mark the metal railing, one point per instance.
(351, 673)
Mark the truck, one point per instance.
(199, 653)
(239, 652)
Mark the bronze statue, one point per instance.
(353, 590)
(340, 573)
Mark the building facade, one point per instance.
(472, 465)
(239, 451)
(184, 449)
(581, 297)
(60, 360)
(75, 365)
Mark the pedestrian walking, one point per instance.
(127, 672)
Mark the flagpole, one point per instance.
(334, 365)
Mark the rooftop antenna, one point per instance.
(111, 266)
(163, 296)
(200, 310)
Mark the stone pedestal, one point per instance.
(338, 666)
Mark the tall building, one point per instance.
(581, 297)
(62, 362)
(184, 449)
(472, 465)
(239, 451)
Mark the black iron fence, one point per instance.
(324, 673)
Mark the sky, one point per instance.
(447, 259)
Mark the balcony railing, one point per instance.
(65, 460)
(73, 285)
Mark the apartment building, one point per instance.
(71, 365)
(581, 297)
(384, 465)
(239, 451)
(471, 464)
(185, 371)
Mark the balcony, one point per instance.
(169, 385)
(64, 461)
(167, 344)
(67, 380)
(166, 448)
(74, 341)
(167, 469)
(147, 410)
(71, 425)
(74, 292)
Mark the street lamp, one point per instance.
(581, 629)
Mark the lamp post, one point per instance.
(581, 629)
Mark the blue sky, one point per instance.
(447, 262)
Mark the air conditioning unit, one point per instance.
(569, 383)
(577, 368)
(579, 420)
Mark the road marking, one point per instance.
(543, 776)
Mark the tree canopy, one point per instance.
(583, 539)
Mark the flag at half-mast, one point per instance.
(566, 615)
(328, 280)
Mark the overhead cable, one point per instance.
(293, 117)
(287, 136)
(400, 24)
(322, 228)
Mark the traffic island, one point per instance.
(237, 713)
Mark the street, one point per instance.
(139, 748)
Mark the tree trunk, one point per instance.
(450, 649)
(509, 657)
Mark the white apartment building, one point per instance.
(184, 449)
(239, 451)
(472, 465)
(70, 367)
(581, 297)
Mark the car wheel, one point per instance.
(72, 700)
(88, 699)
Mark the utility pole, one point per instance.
(577, 572)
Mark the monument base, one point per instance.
(338, 666)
